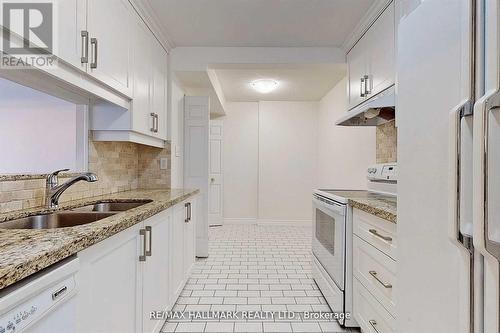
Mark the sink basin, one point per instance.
(55, 220)
(108, 206)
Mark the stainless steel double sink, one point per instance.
(73, 217)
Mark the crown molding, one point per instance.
(370, 17)
(148, 15)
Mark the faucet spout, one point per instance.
(54, 190)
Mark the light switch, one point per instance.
(163, 163)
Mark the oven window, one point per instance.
(325, 230)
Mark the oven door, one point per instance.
(328, 245)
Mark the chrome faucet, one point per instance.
(53, 190)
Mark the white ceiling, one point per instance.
(296, 82)
(280, 23)
(198, 83)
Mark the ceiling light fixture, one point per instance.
(264, 86)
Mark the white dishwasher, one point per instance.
(42, 303)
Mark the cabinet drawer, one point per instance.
(376, 231)
(376, 271)
(370, 315)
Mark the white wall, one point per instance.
(287, 159)
(241, 151)
(177, 134)
(269, 161)
(38, 132)
(343, 152)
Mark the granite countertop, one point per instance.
(380, 205)
(24, 252)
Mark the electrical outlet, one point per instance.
(163, 163)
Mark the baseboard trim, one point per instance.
(248, 221)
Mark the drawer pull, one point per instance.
(374, 325)
(375, 233)
(386, 285)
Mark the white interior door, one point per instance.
(196, 141)
(215, 187)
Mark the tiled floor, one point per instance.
(254, 268)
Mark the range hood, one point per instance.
(376, 111)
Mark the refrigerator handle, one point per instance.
(483, 109)
(464, 108)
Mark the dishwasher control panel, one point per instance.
(26, 313)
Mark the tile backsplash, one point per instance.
(120, 166)
(387, 142)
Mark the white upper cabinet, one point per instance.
(145, 122)
(159, 88)
(371, 61)
(381, 57)
(109, 26)
(141, 103)
(72, 32)
(357, 69)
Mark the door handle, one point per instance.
(376, 233)
(149, 250)
(385, 284)
(373, 323)
(189, 211)
(186, 220)
(85, 47)
(362, 88)
(157, 123)
(142, 257)
(93, 43)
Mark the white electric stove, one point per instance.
(332, 237)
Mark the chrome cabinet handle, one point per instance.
(154, 122)
(367, 85)
(157, 123)
(93, 43)
(85, 47)
(187, 219)
(362, 89)
(375, 233)
(385, 284)
(374, 325)
(189, 211)
(142, 257)
(149, 251)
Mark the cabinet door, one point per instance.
(381, 52)
(189, 238)
(177, 250)
(356, 66)
(156, 271)
(159, 97)
(72, 43)
(109, 24)
(142, 121)
(110, 278)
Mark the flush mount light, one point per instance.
(264, 86)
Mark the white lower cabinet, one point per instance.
(135, 272)
(155, 289)
(110, 294)
(370, 315)
(375, 273)
(182, 245)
